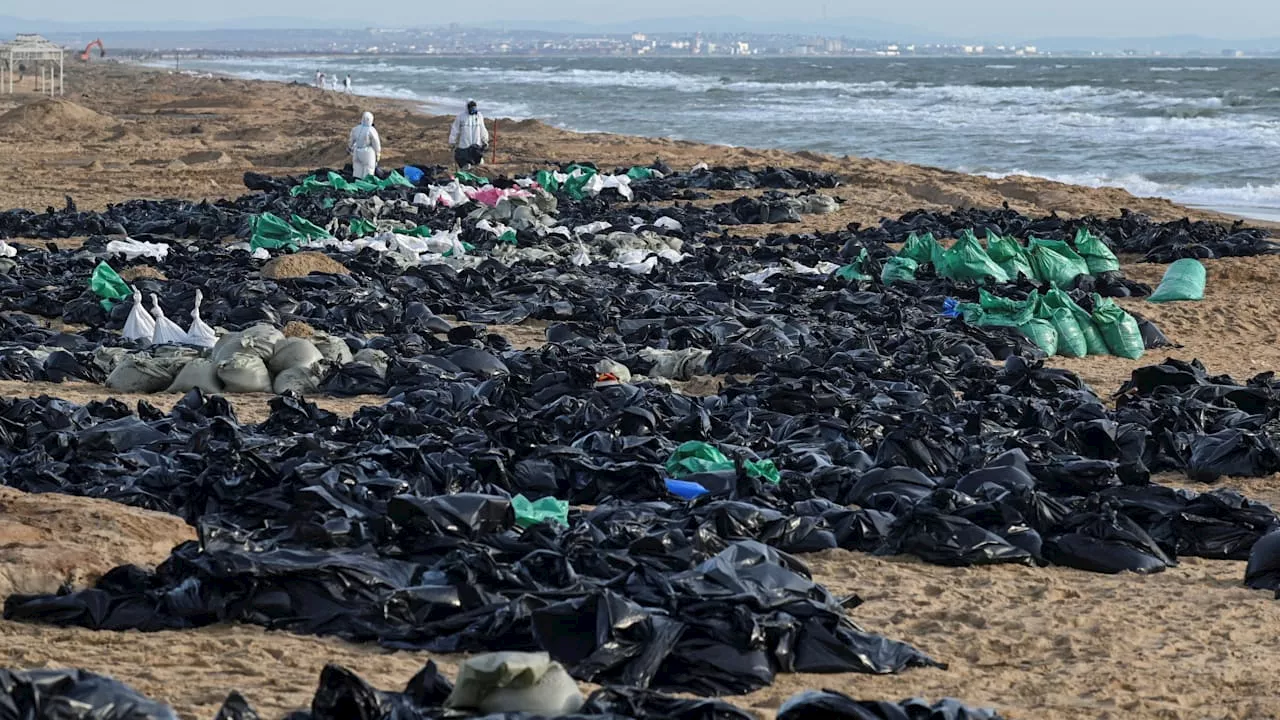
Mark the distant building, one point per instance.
(639, 37)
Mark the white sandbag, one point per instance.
(510, 682)
(244, 372)
(200, 334)
(134, 249)
(140, 325)
(198, 374)
(109, 358)
(226, 346)
(7, 250)
(818, 204)
(141, 374)
(668, 223)
(301, 380)
(166, 331)
(676, 364)
(334, 349)
(261, 340)
(294, 352)
(375, 359)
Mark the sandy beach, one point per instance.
(1036, 643)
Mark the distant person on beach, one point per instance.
(365, 147)
(346, 83)
(320, 80)
(469, 137)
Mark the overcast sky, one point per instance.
(976, 18)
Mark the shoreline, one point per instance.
(1206, 198)
(163, 122)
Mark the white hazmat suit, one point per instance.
(365, 147)
(468, 131)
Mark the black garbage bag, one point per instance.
(1107, 541)
(945, 539)
(832, 705)
(604, 638)
(236, 707)
(1263, 570)
(621, 702)
(1234, 453)
(74, 695)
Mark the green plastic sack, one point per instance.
(695, 457)
(966, 260)
(1009, 254)
(853, 271)
(1041, 333)
(1097, 256)
(108, 285)
(421, 231)
(640, 173)
(1094, 343)
(547, 509)
(922, 249)
(1184, 280)
(1071, 342)
(464, 176)
(547, 179)
(270, 232)
(579, 176)
(1118, 328)
(993, 310)
(1055, 262)
(307, 229)
(360, 227)
(898, 269)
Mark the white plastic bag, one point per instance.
(166, 331)
(140, 325)
(7, 250)
(134, 249)
(200, 334)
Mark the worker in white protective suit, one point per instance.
(469, 137)
(365, 147)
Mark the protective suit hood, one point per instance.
(367, 119)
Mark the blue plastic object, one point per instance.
(951, 307)
(685, 489)
(412, 174)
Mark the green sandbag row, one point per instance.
(1184, 280)
(1003, 259)
(334, 181)
(922, 249)
(1058, 325)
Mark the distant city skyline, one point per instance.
(915, 20)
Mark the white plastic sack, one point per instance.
(166, 331)
(140, 325)
(141, 374)
(244, 372)
(511, 682)
(668, 223)
(200, 334)
(134, 249)
(198, 373)
(294, 352)
(301, 380)
(593, 228)
(7, 250)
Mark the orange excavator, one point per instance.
(102, 50)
